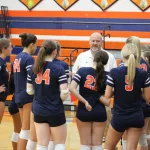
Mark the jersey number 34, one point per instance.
(43, 77)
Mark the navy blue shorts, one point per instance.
(122, 123)
(97, 114)
(146, 111)
(53, 120)
(13, 108)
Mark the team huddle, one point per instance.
(39, 89)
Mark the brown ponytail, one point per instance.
(101, 59)
(47, 49)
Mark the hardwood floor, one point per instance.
(72, 142)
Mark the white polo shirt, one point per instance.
(85, 59)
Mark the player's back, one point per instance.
(87, 84)
(47, 93)
(63, 64)
(127, 99)
(21, 65)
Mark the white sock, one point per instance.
(98, 147)
(40, 147)
(51, 145)
(85, 147)
(31, 145)
(124, 144)
(60, 147)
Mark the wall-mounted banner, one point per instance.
(30, 4)
(142, 4)
(65, 4)
(104, 4)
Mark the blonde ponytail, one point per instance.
(131, 69)
(136, 41)
(130, 53)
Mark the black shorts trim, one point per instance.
(96, 115)
(121, 123)
(20, 105)
(53, 120)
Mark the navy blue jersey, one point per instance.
(149, 71)
(127, 99)
(47, 99)
(144, 66)
(64, 65)
(85, 77)
(21, 66)
(3, 79)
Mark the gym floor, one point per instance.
(72, 142)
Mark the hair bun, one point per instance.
(23, 36)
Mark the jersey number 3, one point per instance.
(127, 87)
(16, 66)
(45, 76)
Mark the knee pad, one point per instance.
(124, 144)
(60, 147)
(85, 147)
(98, 147)
(31, 145)
(24, 134)
(143, 140)
(51, 145)
(40, 147)
(148, 136)
(15, 137)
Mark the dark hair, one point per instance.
(101, 59)
(147, 54)
(146, 51)
(58, 48)
(47, 48)
(4, 43)
(27, 39)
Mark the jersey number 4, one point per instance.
(127, 87)
(89, 81)
(43, 77)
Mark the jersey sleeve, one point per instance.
(146, 79)
(62, 76)
(77, 76)
(110, 78)
(66, 67)
(29, 76)
(29, 63)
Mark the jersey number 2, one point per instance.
(127, 87)
(89, 81)
(44, 76)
